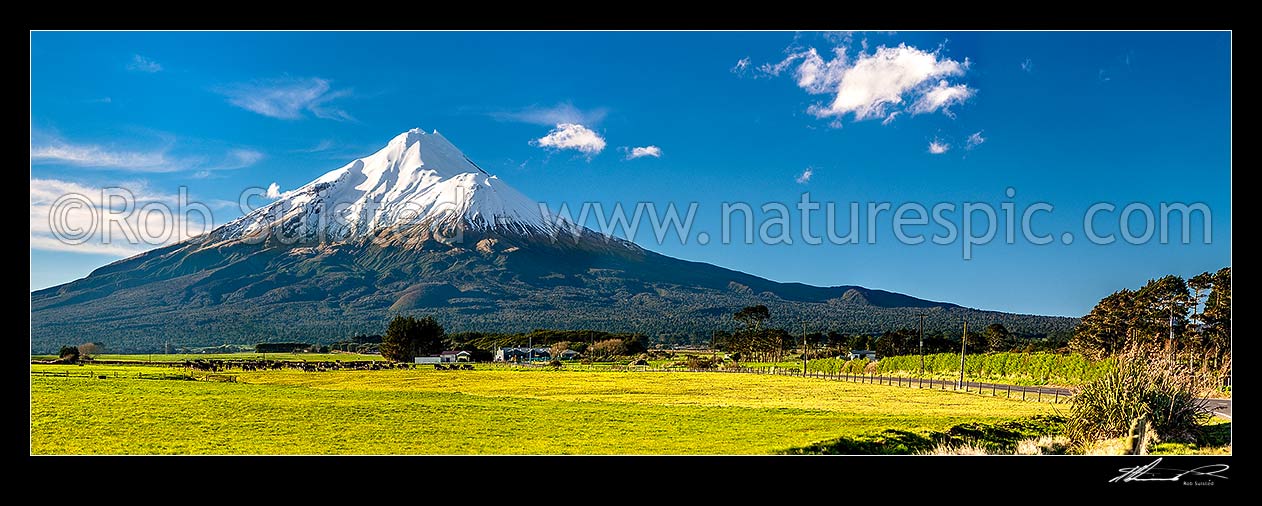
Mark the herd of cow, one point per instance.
(215, 365)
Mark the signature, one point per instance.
(1151, 472)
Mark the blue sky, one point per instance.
(1070, 119)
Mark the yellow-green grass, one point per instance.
(485, 411)
(180, 357)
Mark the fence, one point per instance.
(113, 375)
(1025, 393)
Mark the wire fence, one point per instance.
(1017, 392)
(114, 375)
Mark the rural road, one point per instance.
(1220, 407)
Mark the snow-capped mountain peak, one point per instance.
(416, 179)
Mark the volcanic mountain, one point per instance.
(419, 228)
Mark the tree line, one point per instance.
(1189, 318)
(408, 337)
(753, 339)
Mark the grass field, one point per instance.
(484, 411)
(180, 357)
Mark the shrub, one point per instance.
(957, 449)
(1044, 445)
(1143, 383)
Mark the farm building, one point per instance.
(569, 355)
(857, 354)
(455, 356)
(522, 354)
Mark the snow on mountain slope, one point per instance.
(417, 178)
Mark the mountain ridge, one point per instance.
(338, 255)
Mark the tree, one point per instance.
(1161, 309)
(558, 347)
(1105, 330)
(407, 338)
(1217, 313)
(976, 342)
(635, 344)
(752, 317)
(884, 345)
(88, 350)
(68, 354)
(997, 337)
(602, 351)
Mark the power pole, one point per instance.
(963, 349)
(922, 344)
(803, 349)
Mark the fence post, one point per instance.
(1009, 391)
(1040, 392)
(1023, 392)
(1057, 398)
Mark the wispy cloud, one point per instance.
(273, 191)
(573, 136)
(102, 100)
(288, 98)
(564, 112)
(937, 147)
(140, 63)
(742, 65)
(82, 212)
(941, 97)
(49, 149)
(1027, 65)
(639, 152)
(876, 85)
(323, 145)
(805, 176)
(974, 140)
(100, 157)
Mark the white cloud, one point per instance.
(806, 175)
(50, 149)
(93, 156)
(80, 212)
(288, 98)
(564, 112)
(974, 140)
(273, 191)
(938, 147)
(942, 96)
(776, 69)
(817, 76)
(238, 158)
(649, 150)
(885, 79)
(876, 85)
(141, 64)
(573, 136)
(741, 66)
(1027, 65)
(890, 119)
